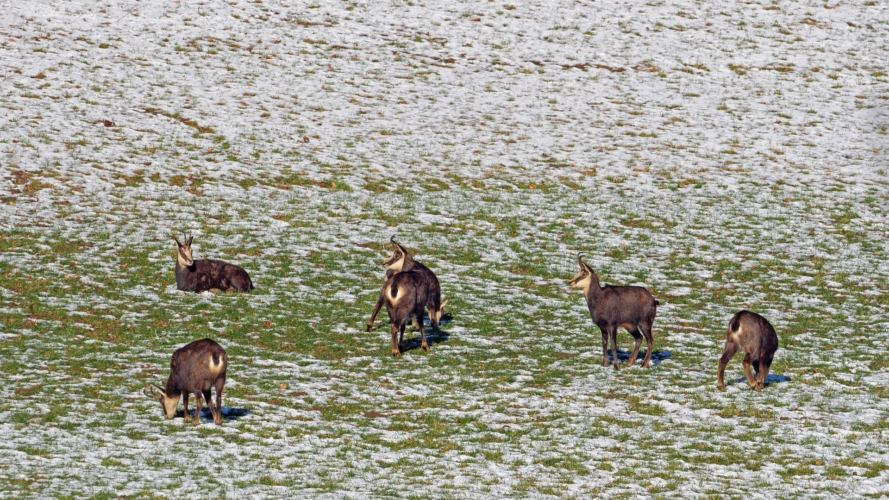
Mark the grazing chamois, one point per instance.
(754, 335)
(207, 274)
(401, 261)
(613, 307)
(406, 294)
(195, 368)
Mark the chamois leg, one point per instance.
(762, 373)
(373, 315)
(612, 334)
(423, 336)
(604, 347)
(198, 406)
(638, 338)
(401, 335)
(185, 405)
(730, 349)
(210, 404)
(757, 367)
(219, 383)
(748, 372)
(433, 314)
(649, 339)
(396, 350)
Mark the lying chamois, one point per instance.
(613, 307)
(754, 335)
(207, 274)
(195, 368)
(406, 294)
(401, 261)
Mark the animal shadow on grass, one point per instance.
(771, 379)
(656, 357)
(228, 413)
(432, 338)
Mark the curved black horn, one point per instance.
(392, 239)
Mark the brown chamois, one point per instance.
(207, 274)
(406, 294)
(400, 261)
(611, 307)
(195, 368)
(753, 334)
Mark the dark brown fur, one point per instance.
(209, 274)
(755, 336)
(433, 288)
(611, 307)
(406, 295)
(191, 373)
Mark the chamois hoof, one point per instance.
(370, 327)
(720, 387)
(426, 347)
(646, 364)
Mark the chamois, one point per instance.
(401, 261)
(207, 274)
(406, 294)
(195, 368)
(613, 307)
(754, 335)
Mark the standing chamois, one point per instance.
(401, 261)
(754, 335)
(207, 274)
(611, 307)
(406, 294)
(195, 368)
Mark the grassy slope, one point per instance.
(715, 199)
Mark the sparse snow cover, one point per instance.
(725, 156)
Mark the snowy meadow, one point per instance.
(725, 156)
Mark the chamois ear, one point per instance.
(583, 264)
(440, 312)
(177, 242)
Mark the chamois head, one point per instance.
(584, 278)
(184, 256)
(398, 258)
(437, 314)
(168, 403)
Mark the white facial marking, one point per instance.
(397, 265)
(183, 256)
